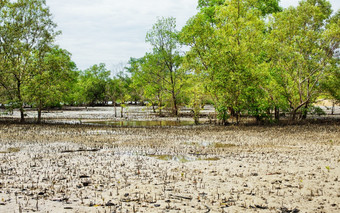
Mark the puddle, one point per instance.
(178, 158)
(142, 123)
(182, 158)
(211, 144)
(205, 143)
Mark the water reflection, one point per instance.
(142, 123)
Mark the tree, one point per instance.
(198, 34)
(113, 92)
(93, 84)
(331, 84)
(302, 52)
(135, 90)
(150, 74)
(197, 96)
(50, 79)
(164, 39)
(123, 83)
(264, 6)
(26, 28)
(225, 44)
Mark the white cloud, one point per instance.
(112, 31)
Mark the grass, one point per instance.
(178, 158)
(161, 157)
(210, 159)
(11, 150)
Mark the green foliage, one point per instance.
(252, 69)
(135, 87)
(265, 6)
(26, 30)
(317, 111)
(331, 85)
(51, 79)
(209, 3)
(268, 6)
(196, 95)
(246, 57)
(163, 64)
(302, 54)
(150, 74)
(223, 114)
(225, 50)
(124, 82)
(113, 89)
(93, 85)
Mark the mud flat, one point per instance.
(82, 168)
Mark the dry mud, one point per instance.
(81, 168)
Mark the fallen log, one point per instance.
(80, 150)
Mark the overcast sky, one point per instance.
(112, 31)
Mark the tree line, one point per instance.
(244, 57)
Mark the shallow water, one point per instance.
(183, 158)
(178, 158)
(142, 123)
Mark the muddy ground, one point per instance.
(207, 168)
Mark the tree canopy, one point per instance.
(246, 57)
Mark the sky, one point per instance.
(112, 31)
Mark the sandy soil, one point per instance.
(77, 168)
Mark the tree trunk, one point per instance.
(22, 114)
(277, 114)
(304, 113)
(39, 116)
(39, 112)
(115, 106)
(269, 113)
(160, 104)
(196, 109)
(297, 108)
(257, 116)
(160, 108)
(231, 111)
(333, 107)
(121, 111)
(197, 118)
(153, 108)
(237, 118)
(175, 109)
(294, 114)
